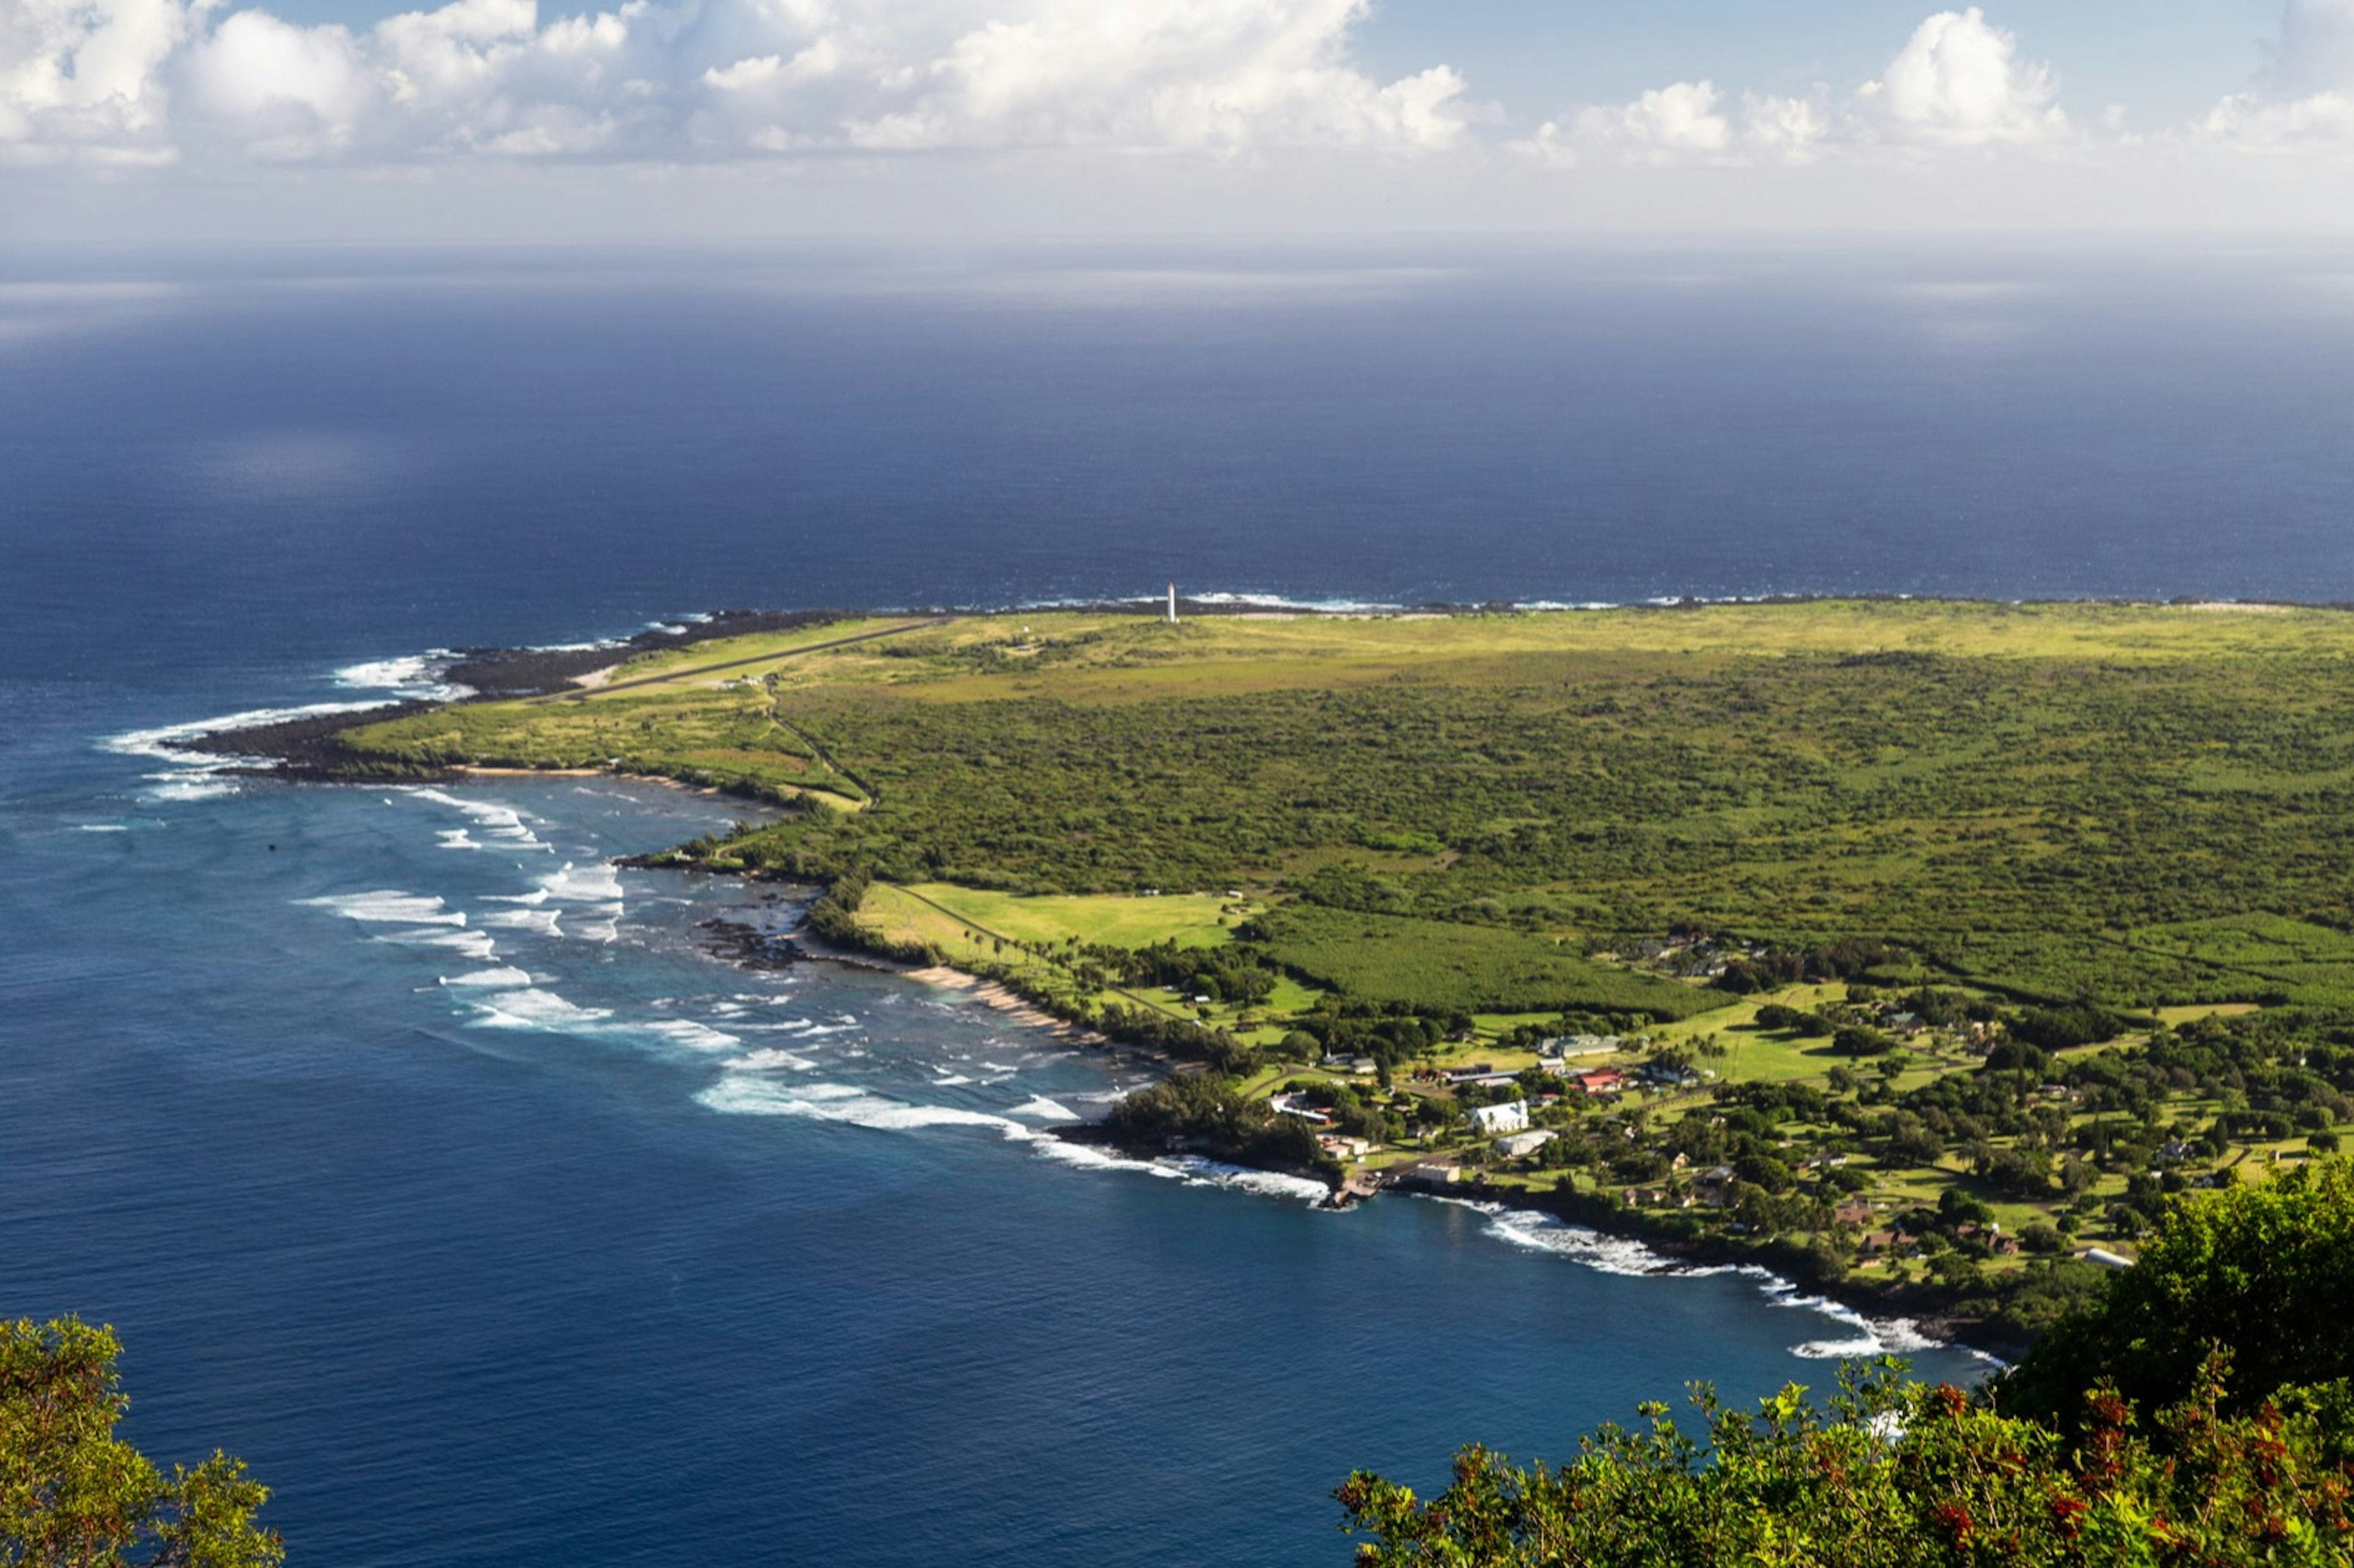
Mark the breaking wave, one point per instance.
(416, 677)
(392, 906)
(1618, 1254)
(489, 979)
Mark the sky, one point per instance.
(330, 120)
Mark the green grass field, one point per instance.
(2150, 804)
(1461, 968)
(1190, 920)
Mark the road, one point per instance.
(585, 693)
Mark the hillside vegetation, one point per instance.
(1919, 946)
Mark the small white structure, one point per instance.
(1521, 1144)
(1494, 1120)
(1173, 604)
(2106, 1258)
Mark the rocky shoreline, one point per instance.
(308, 748)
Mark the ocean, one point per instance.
(445, 1172)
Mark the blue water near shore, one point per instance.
(443, 1171)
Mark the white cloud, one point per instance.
(713, 78)
(79, 78)
(1665, 124)
(2305, 100)
(1791, 130)
(1679, 118)
(1959, 82)
(289, 91)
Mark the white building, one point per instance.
(1522, 1143)
(1492, 1119)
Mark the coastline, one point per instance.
(306, 749)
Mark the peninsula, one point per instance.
(1916, 949)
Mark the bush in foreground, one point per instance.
(2228, 1444)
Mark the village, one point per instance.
(1897, 1140)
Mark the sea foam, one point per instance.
(489, 979)
(414, 677)
(390, 904)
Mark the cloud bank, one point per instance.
(156, 80)
(1126, 93)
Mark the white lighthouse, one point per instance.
(1173, 604)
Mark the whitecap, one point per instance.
(694, 1036)
(952, 1081)
(414, 677)
(489, 979)
(196, 784)
(596, 883)
(1243, 1179)
(540, 920)
(535, 1009)
(599, 925)
(1045, 1109)
(164, 742)
(766, 1058)
(743, 1095)
(390, 904)
(476, 945)
(1543, 1232)
(1838, 1350)
(100, 828)
(502, 822)
(457, 839)
(1276, 601)
(1088, 1157)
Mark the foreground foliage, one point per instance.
(2267, 1270)
(2239, 1457)
(72, 1495)
(1893, 1476)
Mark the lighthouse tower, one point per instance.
(1173, 604)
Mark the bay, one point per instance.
(450, 1177)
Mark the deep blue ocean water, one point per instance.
(438, 1169)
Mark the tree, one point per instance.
(73, 1496)
(2265, 1270)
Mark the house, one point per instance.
(1854, 1212)
(1519, 1145)
(1491, 1121)
(1297, 1105)
(1601, 1081)
(1439, 1172)
(1342, 1147)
